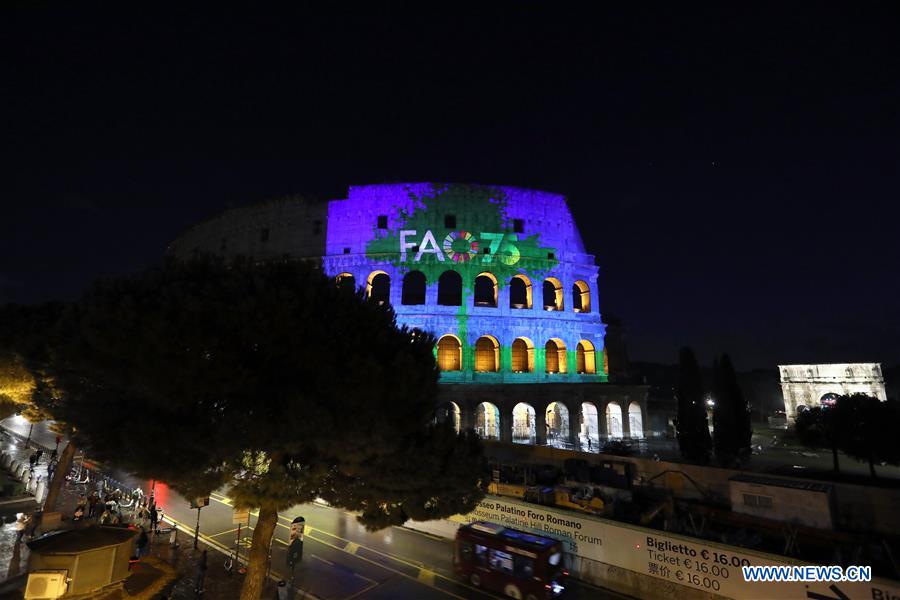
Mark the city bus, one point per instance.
(521, 565)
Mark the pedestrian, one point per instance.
(154, 517)
(92, 505)
(40, 453)
(590, 445)
(32, 460)
(21, 525)
(201, 575)
(143, 517)
(35, 520)
(142, 544)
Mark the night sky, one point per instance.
(736, 171)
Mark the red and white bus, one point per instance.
(521, 565)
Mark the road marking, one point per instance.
(377, 564)
(224, 532)
(426, 577)
(373, 584)
(328, 562)
(351, 547)
(400, 559)
(381, 565)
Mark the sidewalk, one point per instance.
(166, 573)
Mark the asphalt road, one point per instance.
(341, 560)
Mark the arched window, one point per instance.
(487, 421)
(613, 420)
(523, 425)
(450, 413)
(522, 356)
(486, 290)
(519, 292)
(413, 288)
(635, 421)
(555, 356)
(590, 428)
(553, 294)
(557, 425)
(346, 282)
(450, 289)
(585, 361)
(829, 399)
(378, 287)
(487, 355)
(449, 353)
(581, 297)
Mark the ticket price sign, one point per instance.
(700, 564)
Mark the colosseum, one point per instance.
(498, 274)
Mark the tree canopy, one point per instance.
(861, 426)
(268, 379)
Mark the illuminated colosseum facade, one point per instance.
(498, 274)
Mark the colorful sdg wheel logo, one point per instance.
(466, 246)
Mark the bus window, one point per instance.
(502, 561)
(481, 555)
(465, 551)
(524, 567)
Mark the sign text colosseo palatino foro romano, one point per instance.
(706, 566)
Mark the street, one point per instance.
(341, 560)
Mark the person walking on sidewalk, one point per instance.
(21, 526)
(201, 575)
(92, 505)
(154, 518)
(143, 543)
(142, 517)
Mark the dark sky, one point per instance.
(735, 170)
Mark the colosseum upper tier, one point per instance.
(498, 274)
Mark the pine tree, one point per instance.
(817, 427)
(692, 427)
(732, 429)
(268, 380)
(868, 429)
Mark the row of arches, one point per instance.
(556, 423)
(450, 285)
(522, 354)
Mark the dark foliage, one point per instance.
(732, 429)
(266, 377)
(692, 425)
